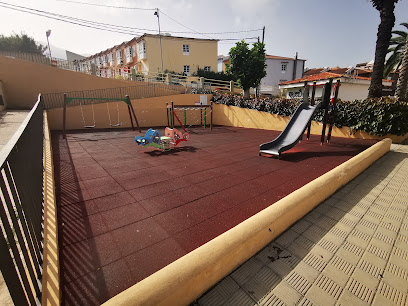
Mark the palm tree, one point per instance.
(397, 48)
(401, 91)
(384, 34)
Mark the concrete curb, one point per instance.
(51, 273)
(187, 278)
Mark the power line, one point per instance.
(185, 26)
(71, 20)
(148, 9)
(111, 6)
(89, 24)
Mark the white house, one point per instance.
(278, 70)
(351, 87)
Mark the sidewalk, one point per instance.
(352, 249)
(10, 121)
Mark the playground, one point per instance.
(126, 211)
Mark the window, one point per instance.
(284, 67)
(186, 49)
(119, 56)
(207, 68)
(187, 70)
(129, 52)
(133, 51)
(141, 50)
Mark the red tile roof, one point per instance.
(313, 77)
(324, 76)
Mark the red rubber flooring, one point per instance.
(126, 211)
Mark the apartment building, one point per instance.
(180, 54)
(145, 55)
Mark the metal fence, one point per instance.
(21, 212)
(143, 90)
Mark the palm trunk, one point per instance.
(401, 91)
(246, 92)
(383, 40)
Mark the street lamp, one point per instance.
(156, 13)
(48, 33)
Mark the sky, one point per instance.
(324, 32)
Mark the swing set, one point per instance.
(68, 100)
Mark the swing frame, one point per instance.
(170, 108)
(68, 100)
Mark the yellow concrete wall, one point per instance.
(249, 118)
(202, 53)
(150, 112)
(24, 80)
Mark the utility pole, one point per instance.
(161, 51)
(263, 34)
(48, 33)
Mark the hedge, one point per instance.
(376, 116)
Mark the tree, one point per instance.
(247, 65)
(397, 44)
(401, 90)
(398, 60)
(386, 9)
(20, 43)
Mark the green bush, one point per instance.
(376, 116)
(213, 75)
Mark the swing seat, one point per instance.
(152, 137)
(89, 126)
(115, 125)
(176, 136)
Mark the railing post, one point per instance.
(202, 83)
(231, 86)
(64, 117)
(168, 78)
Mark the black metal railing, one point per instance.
(144, 90)
(22, 210)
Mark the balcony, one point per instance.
(130, 216)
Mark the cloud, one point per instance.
(253, 7)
